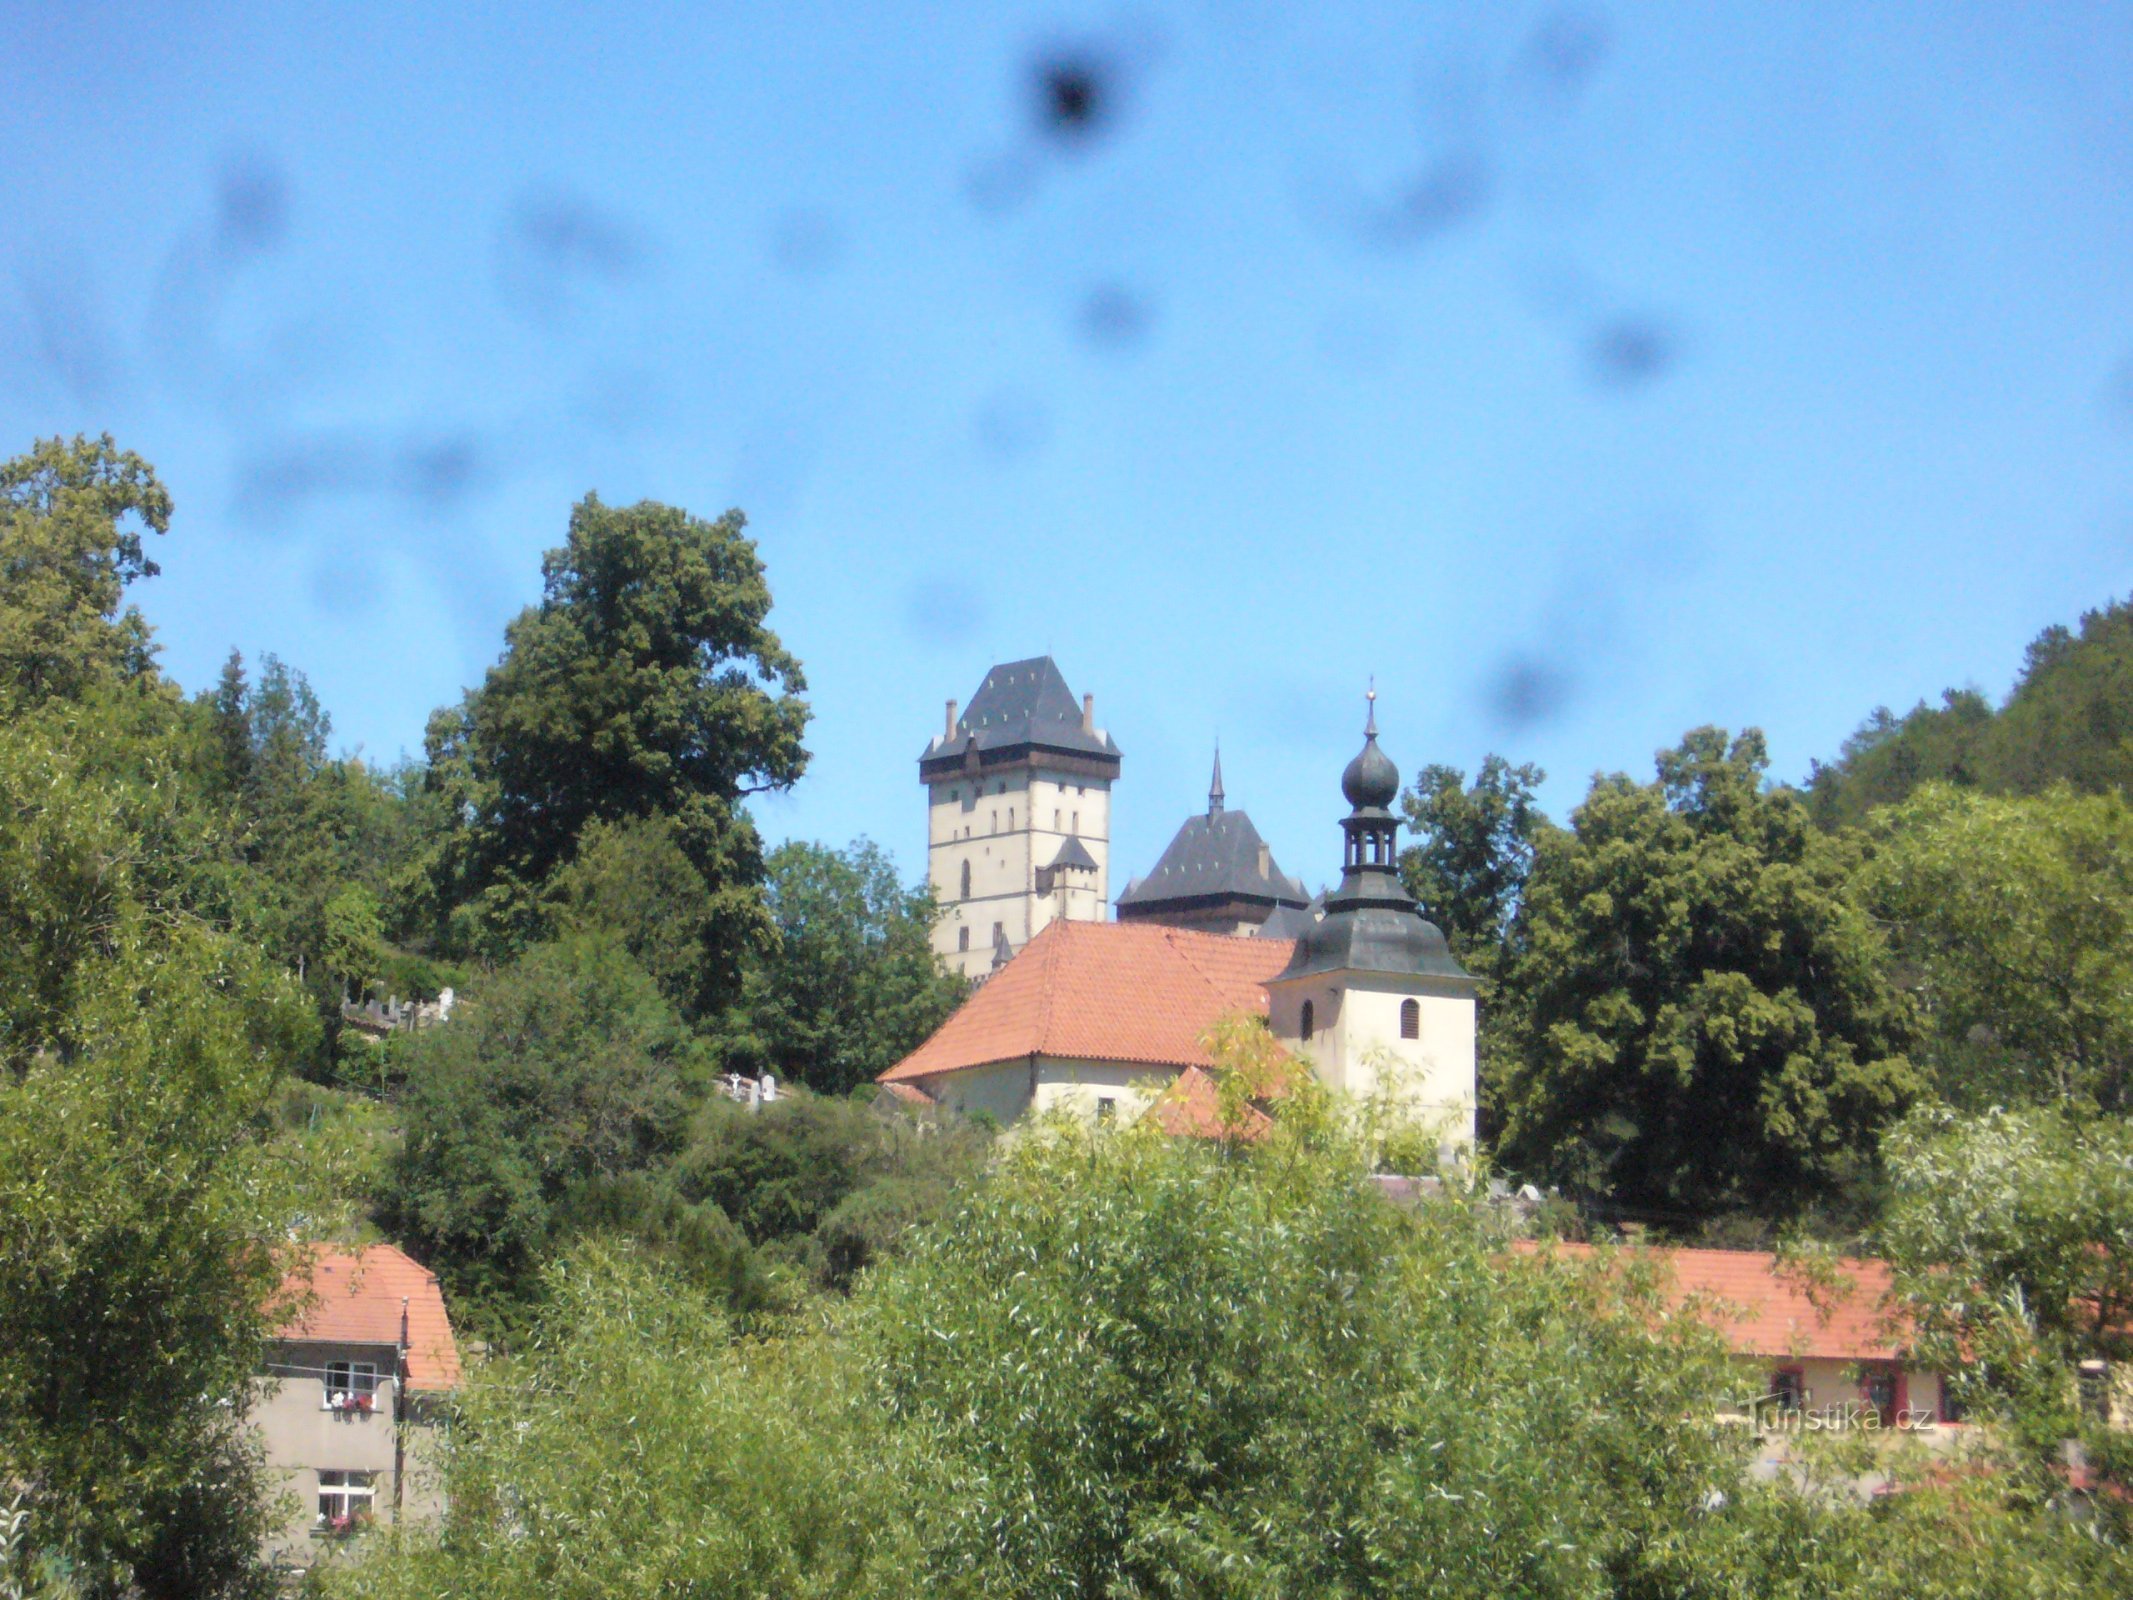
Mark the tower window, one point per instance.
(1077, 822)
(1010, 819)
(966, 880)
(1055, 819)
(1309, 1023)
(962, 938)
(1410, 1019)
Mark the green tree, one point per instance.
(2068, 719)
(141, 1195)
(2013, 920)
(645, 684)
(635, 880)
(564, 1068)
(71, 517)
(2010, 1234)
(636, 1448)
(849, 985)
(1696, 1017)
(1473, 847)
(1143, 1366)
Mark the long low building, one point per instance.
(1826, 1352)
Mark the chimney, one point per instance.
(1088, 713)
(950, 734)
(1266, 861)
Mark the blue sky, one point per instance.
(1584, 373)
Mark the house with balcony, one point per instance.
(353, 1404)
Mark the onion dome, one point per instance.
(1371, 782)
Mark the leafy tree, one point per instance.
(635, 880)
(2010, 1234)
(71, 515)
(854, 1174)
(1138, 1365)
(1696, 1017)
(849, 985)
(2013, 919)
(564, 1068)
(645, 684)
(1473, 849)
(141, 1049)
(637, 1448)
(2069, 718)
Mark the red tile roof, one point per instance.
(910, 1093)
(1191, 1108)
(357, 1299)
(1764, 1311)
(1103, 991)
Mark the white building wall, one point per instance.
(1356, 1045)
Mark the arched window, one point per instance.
(1410, 1019)
(966, 880)
(1309, 1024)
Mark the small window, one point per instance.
(344, 1500)
(351, 1385)
(1788, 1386)
(1878, 1389)
(995, 819)
(1010, 819)
(1309, 1024)
(955, 794)
(999, 932)
(1410, 1019)
(1055, 819)
(1106, 1108)
(966, 880)
(1077, 822)
(962, 938)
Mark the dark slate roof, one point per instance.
(1023, 703)
(1290, 922)
(1215, 856)
(1074, 854)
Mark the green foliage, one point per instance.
(2013, 920)
(637, 1449)
(849, 984)
(2068, 719)
(71, 515)
(835, 1182)
(2012, 1235)
(1695, 1016)
(563, 1068)
(634, 879)
(1473, 848)
(1137, 1365)
(645, 684)
(140, 1052)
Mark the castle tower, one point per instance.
(1372, 993)
(1217, 876)
(1018, 815)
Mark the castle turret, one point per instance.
(1372, 993)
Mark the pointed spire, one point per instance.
(1214, 792)
(1370, 726)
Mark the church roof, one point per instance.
(1216, 856)
(1022, 704)
(1103, 991)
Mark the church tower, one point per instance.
(1018, 829)
(1372, 994)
